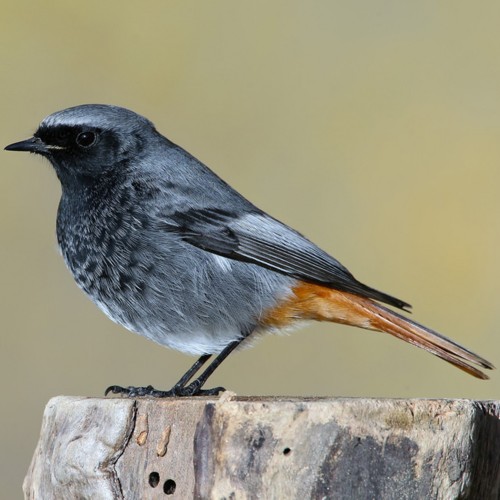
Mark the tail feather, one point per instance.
(433, 342)
(382, 319)
(310, 301)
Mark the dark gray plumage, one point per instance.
(164, 246)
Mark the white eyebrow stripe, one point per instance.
(55, 121)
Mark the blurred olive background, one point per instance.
(372, 127)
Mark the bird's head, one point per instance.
(87, 141)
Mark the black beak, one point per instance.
(33, 145)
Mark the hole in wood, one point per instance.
(154, 479)
(286, 451)
(169, 487)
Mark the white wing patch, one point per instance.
(224, 264)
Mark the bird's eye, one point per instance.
(86, 139)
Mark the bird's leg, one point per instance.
(192, 371)
(151, 391)
(194, 388)
(180, 389)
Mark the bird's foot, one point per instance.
(133, 392)
(194, 389)
(176, 391)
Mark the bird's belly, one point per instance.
(195, 304)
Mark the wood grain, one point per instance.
(273, 448)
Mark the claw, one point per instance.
(115, 389)
(194, 390)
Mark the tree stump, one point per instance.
(266, 448)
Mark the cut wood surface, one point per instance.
(266, 448)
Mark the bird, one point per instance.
(167, 249)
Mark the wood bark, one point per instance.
(266, 448)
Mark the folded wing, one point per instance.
(257, 238)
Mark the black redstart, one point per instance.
(170, 251)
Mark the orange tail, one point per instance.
(324, 304)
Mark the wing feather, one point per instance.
(257, 238)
